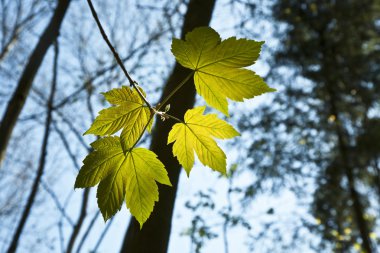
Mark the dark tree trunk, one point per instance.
(154, 237)
(18, 99)
(41, 165)
(358, 209)
(342, 147)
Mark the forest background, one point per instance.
(304, 175)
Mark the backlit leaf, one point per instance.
(129, 113)
(131, 176)
(219, 66)
(195, 134)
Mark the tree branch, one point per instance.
(115, 54)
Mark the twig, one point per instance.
(56, 201)
(174, 91)
(87, 232)
(104, 70)
(102, 236)
(67, 146)
(115, 54)
(61, 238)
(79, 223)
(70, 124)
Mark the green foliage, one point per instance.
(130, 176)
(125, 172)
(131, 114)
(218, 66)
(195, 134)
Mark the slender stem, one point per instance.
(175, 118)
(131, 81)
(175, 90)
(147, 124)
(154, 111)
(115, 54)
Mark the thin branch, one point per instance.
(160, 105)
(77, 134)
(227, 218)
(115, 54)
(87, 232)
(102, 236)
(56, 202)
(79, 223)
(61, 238)
(66, 145)
(103, 71)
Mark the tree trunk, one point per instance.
(18, 99)
(342, 143)
(41, 165)
(154, 236)
(358, 209)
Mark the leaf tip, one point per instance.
(78, 184)
(168, 183)
(224, 172)
(88, 131)
(272, 90)
(105, 215)
(187, 172)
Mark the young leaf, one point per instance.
(218, 66)
(130, 176)
(130, 114)
(195, 134)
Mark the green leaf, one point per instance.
(195, 134)
(129, 113)
(218, 66)
(130, 176)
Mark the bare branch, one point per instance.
(115, 54)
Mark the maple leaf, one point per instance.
(131, 176)
(195, 134)
(130, 114)
(218, 66)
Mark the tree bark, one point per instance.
(18, 99)
(154, 236)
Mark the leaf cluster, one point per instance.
(124, 172)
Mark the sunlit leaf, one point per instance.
(129, 113)
(219, 66)
(195, 134)
(131, 176)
